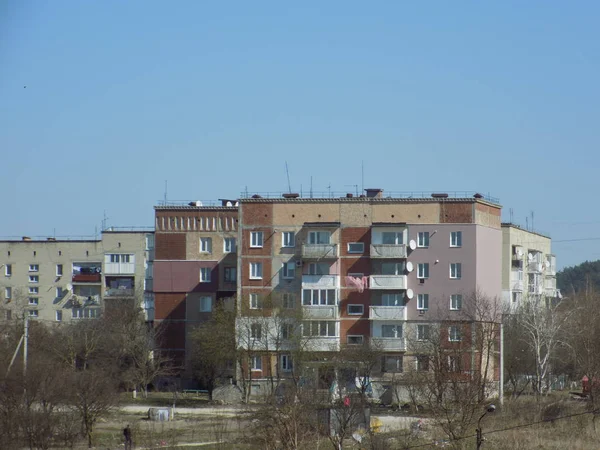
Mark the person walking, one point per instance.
(127, 436)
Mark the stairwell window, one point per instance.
(59, 270)
(205, 274)
(423, 239)
(34, 267)
(356, 310)
(423, 302)
(34, 301)
(456, 239)
(256, 271)
(7, 293)
(456, 302)
(423, 270)
(34, 279)
(454, 334)
(205, 245)
(33, 313)
(58, 315)
(256, 239)
(455, 271)
(288, 239)
(8, 270)
(34, 290)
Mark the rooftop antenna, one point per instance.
(166, 185)
(104, 220)
(288, 178)
(532, 227)
(329, 190)
(362, 177)
(311, 191)
(510, 212)
(527, 223)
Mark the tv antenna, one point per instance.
(104, 220)
(166, 185)
(362, 177)
(329, 190)
(288, 177)
(311, 191)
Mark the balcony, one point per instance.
(323, 344)
(87, 278)
(552, 292)
(388, 251)
(320, 281)
(535, 289)
(388, 344)
(118, 292)
(319, 311)
(119, 268)
(517, 285)
(319, 251)
(535, 266)
(387, 312)
(387, 282)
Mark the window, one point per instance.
(255, 301)
(256, 363)
(354, 340)
(229, 245)
(34, 279)
(456, 302)
(392, 268)
(391, 331)
(256, 331)
(422, 332)
(288, 300)
(288, 239)
(58, 315)
(91, 313)
(317, 297)
(230, 274)
(34, 290)
(319, 237)
(77, 313)
(321, 328)
(289, 270)
(422, 363)
(34, 301)
(116, 258)
(8, 314)
(423, 239)
(392, 364)
(60, 292)
(455, 270)
(423, 270)
(318, 269)
(454, 334)
(392, 300)
(205, 274)
(205, 304)
(423, 301)
(256, 239)
(256, 272)
(286, 363)
(356, 310)
(33, 313)
(205, 245)
(59, 270)
(34, 267)
(456, 239)
(7, 293)
(453, 363)
(287, 330)
(8, 270)
(392, 238)
(356, 247)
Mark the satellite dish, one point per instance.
(409, 267)
(409, 293)
(530, 256)
(237, 203)
(228, 204)
(69, 287)
(519, 252)
(412, 244)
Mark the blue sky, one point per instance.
(432, 96)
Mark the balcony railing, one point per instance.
(87, 278)
(388, 251)
(318, 251)
(535, 266)
(387, 312)
(320, 281)
(387, 281)
(535, 289)
(118, 292)
(389, 344)
(517, 285)
(319, 311)
(323, 344)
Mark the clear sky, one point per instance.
(102, 101)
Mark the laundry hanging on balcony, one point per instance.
(357, 283)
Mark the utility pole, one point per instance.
(25, 344)
(501, 386)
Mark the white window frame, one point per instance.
(34, 313)
(362, 309)
(349, 337)
(399, 363)
(360, 244)
(59, 270)
(58, 315)
(398, 331)
(398, 268)
(398, 237)
(456, 239)
(313, 237)
(230, 270)
(454, 333)
(8, 270)
(205, 274)
(423, 332)
(256, 270)
(255, 301)
(205, 245)
(319, 328)
(315, 269)
(288, 271)
(423, 239)
(288, 239)
(33, 301)
(319, 297)
(456, 302)
(422, 302)
(229, 245)
(286, 363)
(34, 278)
(34, 290)
(455, 271)
(423, 271)
(7, 292)
(389, 299)
(256, 363)
(288, 300)
(205, 304)
(34, 268)
(256, 239)
(256, 331)
(287, 330)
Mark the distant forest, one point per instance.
(577, 278)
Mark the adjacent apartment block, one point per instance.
(371, 269)
(195, 268)
(60, 280)
(529, 269)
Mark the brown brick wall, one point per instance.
(257, 214)
(169, 305)
(170, 246)
(355, 265)
(355, 235)
(456, 212)
(173, 334)
(269, 240)
(267, 272)
(361, 326)
(354, 298)
(267, 298)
